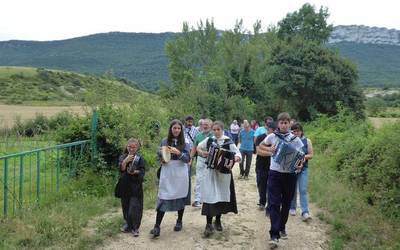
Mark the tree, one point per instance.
(306, 23)
(312, 79)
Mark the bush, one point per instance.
(366, 157)
(116, 124)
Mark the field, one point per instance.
(8, 113)
(371, 92)
(380, 121)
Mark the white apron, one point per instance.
(215, 187)
(174, 180)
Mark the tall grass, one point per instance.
(353, 178)
(61, 220)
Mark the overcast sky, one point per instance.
(61, 19)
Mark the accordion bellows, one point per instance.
(220, 158)
(287, 156)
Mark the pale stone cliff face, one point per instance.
(365, 34)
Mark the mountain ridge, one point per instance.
(141, 57)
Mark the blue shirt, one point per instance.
(260, 131)
(246, 140)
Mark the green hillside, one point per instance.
(135, 56)
(23, 85)
(378, 64)
(140, 57)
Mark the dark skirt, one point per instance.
(221, 207)
(177, 204)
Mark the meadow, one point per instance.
(10, 113)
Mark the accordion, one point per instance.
(133, 165)
(220, 158)
(287, 156)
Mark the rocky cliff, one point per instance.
(365, 34)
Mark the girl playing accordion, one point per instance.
(218, 190)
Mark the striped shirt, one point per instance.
(190, 135)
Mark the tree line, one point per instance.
(239, 73)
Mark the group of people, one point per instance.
(215, 190)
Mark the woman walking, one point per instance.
(131, 166)
(218, 190)
(174, 188)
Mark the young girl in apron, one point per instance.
(218, 190)
(173, 190)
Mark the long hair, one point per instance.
(181, 138)
(297, 126)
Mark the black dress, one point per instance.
(221, 207)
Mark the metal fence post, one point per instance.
(5, 186)
(21, 180)
(58, 171)
(93, 136)
(38, 176)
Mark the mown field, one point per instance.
(378, 122)
(10, 113)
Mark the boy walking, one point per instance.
(281, 181)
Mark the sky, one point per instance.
(61, 19)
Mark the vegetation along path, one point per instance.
(246, 230)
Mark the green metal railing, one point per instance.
(26, 178)
(31, 175)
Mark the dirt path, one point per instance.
(246, 230)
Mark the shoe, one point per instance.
(209, 230)
(240, 177)
(125, 228)
(155, 231)
(246, 177)
(196, 204)
(292, 212)
(178, 226)
(135, 233)
(305, 217)
(273, 242)
(261, 206)
(218, 226)
(283, 235)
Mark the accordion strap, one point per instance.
(282, 137)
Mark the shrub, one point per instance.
(369, 159)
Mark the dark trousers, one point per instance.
(235, 138)
(281, 188)
(262, 180)
(132, 209)
(246, 157)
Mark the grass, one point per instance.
(378, 122)
(356, 225)
(22, 85)
(8, 71)
(41, 172)
(81, 216)
(14, 144)
(60, 225)
(10, 113)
